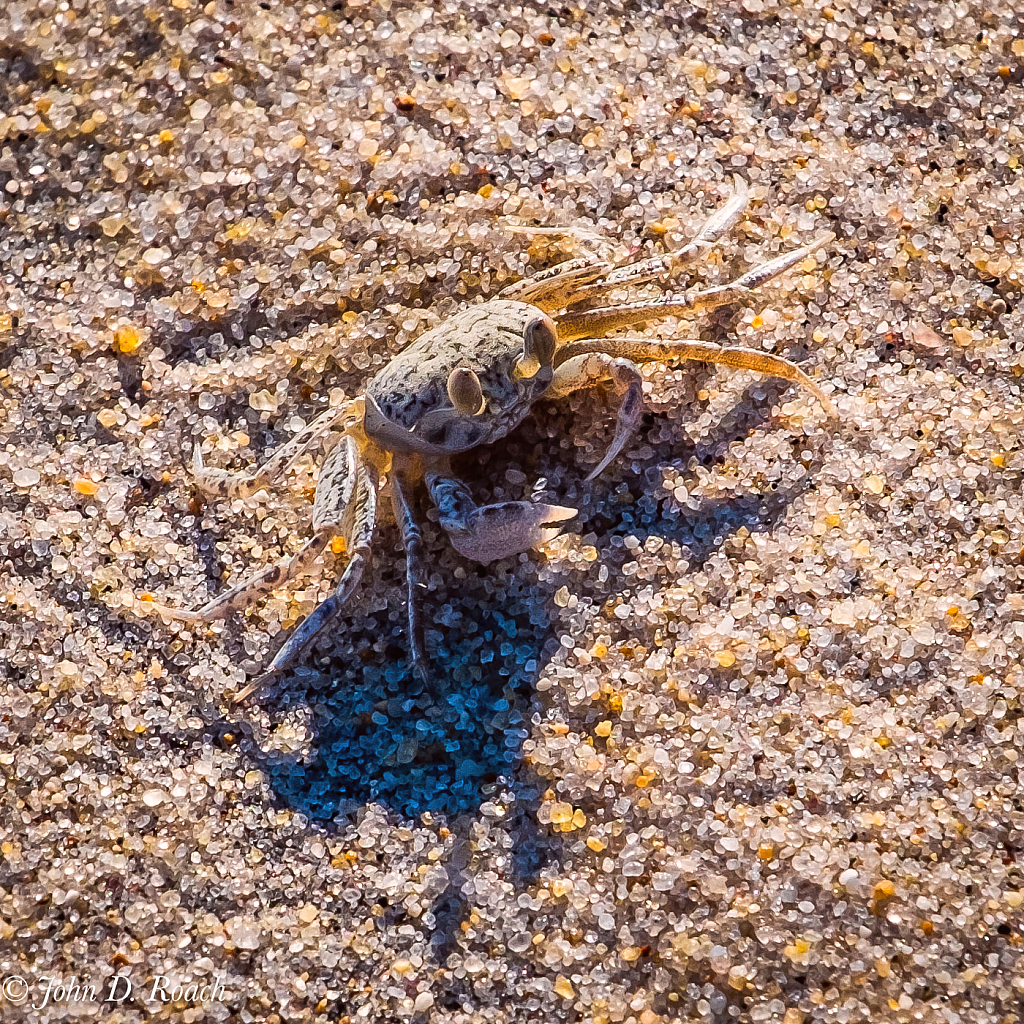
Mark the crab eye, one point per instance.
(539, 340)
(465, 392)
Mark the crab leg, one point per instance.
(587, 369)
(591, 322)
(353, 509)
(357, 520)
(583, 279)
(412, 540)
(246, 591)
(647, 350)
(486, 533)
(655, 266)
(584, 364)
(332, 493)
(223, 483)
(551, 289)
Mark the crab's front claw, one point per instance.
(496, 531)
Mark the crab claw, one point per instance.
(497, 531)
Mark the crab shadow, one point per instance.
(424, 752)
(376, 734)
(442, 747)
(439, 749)
(704, 529)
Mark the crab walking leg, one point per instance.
(646, 350)
(412, 539)
(358, 520)
(551, 289)
(591, 322)
(245, 592)
(585, 279)
(488, 532)
(349, 504)
(332, 493)
(588, 369)
(223, 483)
(647, 270)
(581, 234)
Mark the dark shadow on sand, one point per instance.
(439, 748)
(381, 735)
(444, 748)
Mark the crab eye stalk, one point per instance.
(465, 392)
(539, 340)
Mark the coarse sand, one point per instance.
(743, 744)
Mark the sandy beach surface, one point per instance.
(742, 744)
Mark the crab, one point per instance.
(469, 381)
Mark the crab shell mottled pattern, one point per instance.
(407, 403)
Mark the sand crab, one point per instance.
(468, 382)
